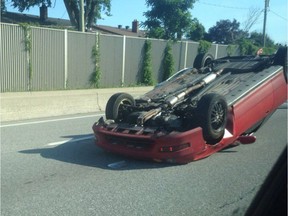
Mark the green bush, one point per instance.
(246, 47)
(204, 46)
(95, 56)
(28, 48)
(269, 50)
(231, 49)
(147, 78)
(168, 62)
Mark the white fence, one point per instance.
(62, 59)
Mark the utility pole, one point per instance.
(81, 17)
(264, 24)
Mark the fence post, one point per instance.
(123, 60)
(216, 52)
(65, 58)
(185, 55)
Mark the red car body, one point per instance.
(257, 102)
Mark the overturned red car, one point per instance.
(197, 111)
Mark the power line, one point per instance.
(223, 6)
(278, 15)
(65, 12)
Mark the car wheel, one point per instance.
(202, 60)
(212, 117)
(116, 106)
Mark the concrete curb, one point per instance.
(28, 105)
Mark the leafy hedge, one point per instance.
(168, 61)
(95, 56)
(147, 78)
(28, 48)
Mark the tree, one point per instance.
(225, 32)
(147, 64)
(257, 39)
(95, 56)
(197, 31)
(252, 18)
(168, 19)
(249, 45)
(3, 6)
(168, 62)
(26, 4)
(93, 9)
(246, 47)
(204, 46)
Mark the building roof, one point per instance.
(16, 18)
(119, 31)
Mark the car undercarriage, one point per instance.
(226, 99)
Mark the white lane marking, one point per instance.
(50, 120)
(117, 165)
(69, 141)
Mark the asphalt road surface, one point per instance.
(52, 167)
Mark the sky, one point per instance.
(208, 12)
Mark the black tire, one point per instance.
(202, 60)
(114, 106)
(212, 116)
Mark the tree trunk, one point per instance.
(91, 14)
(73, 12)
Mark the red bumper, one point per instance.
(174, 148)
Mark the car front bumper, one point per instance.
(176, 147)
